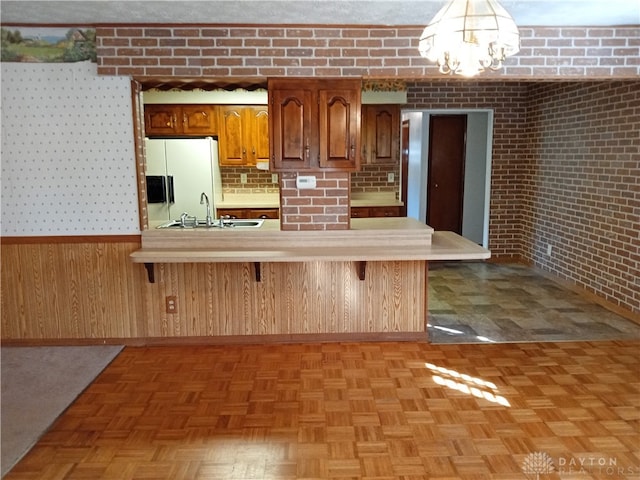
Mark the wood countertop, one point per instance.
(369, 239)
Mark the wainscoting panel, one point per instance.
(88, 290)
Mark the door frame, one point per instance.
(418, 162)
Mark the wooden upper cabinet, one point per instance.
(244, 134)
(198, 120)
(381, 134)
(314, 124)
(259, 133)
(231, 136)
(339, 129)
(179, 120)
(291, 128)
(161, 120)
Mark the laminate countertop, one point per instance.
(369, 239)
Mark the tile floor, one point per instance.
(476, 302)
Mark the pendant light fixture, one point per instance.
(468, 36)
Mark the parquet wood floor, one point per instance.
(353, 411)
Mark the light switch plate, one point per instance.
(391, 177)
(274, 178)
(243, 178)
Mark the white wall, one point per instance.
(475, 175)
(417, 174)
(67, 153)
(475, 213)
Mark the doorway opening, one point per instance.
(466, 210)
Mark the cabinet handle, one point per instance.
(307, 151)
(353, 150)
(244, 152)
(253, 150)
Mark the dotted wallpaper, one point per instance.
(67, 155)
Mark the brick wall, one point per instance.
(522, 160)
(373, 178)
(325, 207)
(582, 186)
(376, 52)
(565, 173)
(258, 181)
(508, 100)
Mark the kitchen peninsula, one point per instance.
(368, 282)
(331, 264)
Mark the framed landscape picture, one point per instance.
(48, 45)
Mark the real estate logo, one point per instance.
(537, 463)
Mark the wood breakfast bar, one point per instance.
(369, 281)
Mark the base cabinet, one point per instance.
(266, 213)
(372, 212)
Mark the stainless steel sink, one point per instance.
(245, 223)
(231, 223)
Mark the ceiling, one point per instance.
(344, 12)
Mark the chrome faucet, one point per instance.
(203, 199)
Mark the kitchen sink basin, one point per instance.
(231, 223)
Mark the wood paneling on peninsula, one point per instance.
(291, 298)
(91, 292)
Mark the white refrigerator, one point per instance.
(178, 171)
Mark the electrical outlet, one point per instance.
(549, 249)
(171, 303)
(274, 178)
(391, 177)
(243, 178)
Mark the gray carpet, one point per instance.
(38, 384)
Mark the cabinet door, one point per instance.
(382, 130)
(232, 212)
(231, 136)
(198, 120)
(291, 114)
(162, 120)
(339, 129)
(258, 134)
(384, 211)
(359, 212)
(272, 213)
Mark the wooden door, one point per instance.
(339, 129)
(198, 120)
(291, 143)
(231, 136)
(162, 120)
(445, 182)
(382, 131)
(258, 132)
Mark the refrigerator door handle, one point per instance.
(172, 198)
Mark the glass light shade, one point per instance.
(467, 36)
